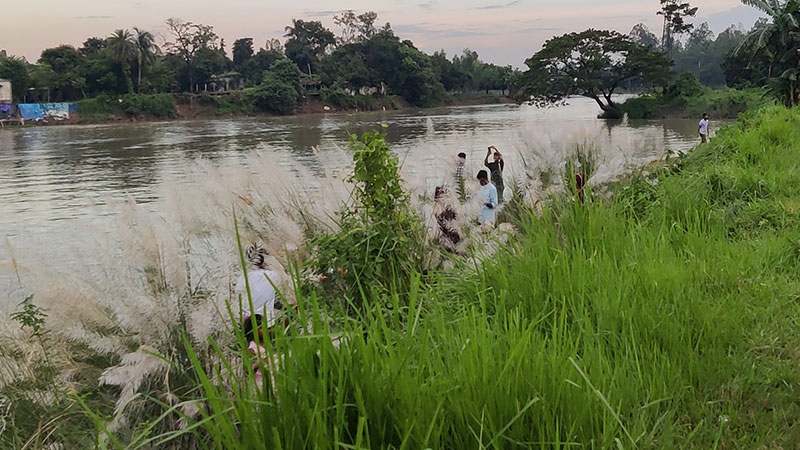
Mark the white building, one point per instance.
(5, 91)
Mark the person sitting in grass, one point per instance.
(488, 198)
(496, 168)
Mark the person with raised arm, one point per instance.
(496, 169)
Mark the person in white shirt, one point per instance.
(488, 197)
(262, 288)
(702, 129)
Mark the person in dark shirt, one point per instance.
(496, 169)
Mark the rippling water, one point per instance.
(56, 181)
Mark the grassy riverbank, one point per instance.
(665, 317)
(145, 107)
(687, 98)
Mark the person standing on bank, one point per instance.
(496, 169)
(488, 197)
(459, 177)
(703, 129)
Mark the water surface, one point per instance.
(56, 181)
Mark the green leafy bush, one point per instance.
(644, 107)
(378, 245)
(160, 106)
(275, 95)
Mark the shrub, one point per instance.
(378, 245)
(149, 105)
(275, 95)
(644, 107)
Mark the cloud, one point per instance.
(94, 17)
(441, 32)
(500, 5)
(427, 5)
(324, 13)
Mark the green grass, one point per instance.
(688, 98)
(664, 318)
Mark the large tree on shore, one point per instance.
(593, 64)
(187, 39)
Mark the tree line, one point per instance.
(599, 63)
(362, 56)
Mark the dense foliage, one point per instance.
(365, 60)
(594, 64)
(379, 240)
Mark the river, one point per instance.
(56, 182)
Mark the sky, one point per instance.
(502, 31)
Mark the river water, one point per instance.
(57, 181)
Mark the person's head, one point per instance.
(705, 116)
(483, 178)
(496, 157)
(462, 155)
(256, 255)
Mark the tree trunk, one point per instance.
(191, 79)
(139, 82)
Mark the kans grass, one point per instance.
(663, 317)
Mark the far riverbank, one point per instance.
(135, 108)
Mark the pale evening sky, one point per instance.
(502, 31)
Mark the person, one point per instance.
(488, 197)
(496, 169)
(702, 129)
(459, 178)
(446, 219)
(262, 282)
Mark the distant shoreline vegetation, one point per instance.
(365, 66)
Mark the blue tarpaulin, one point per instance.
(36, 111)
(31, 111)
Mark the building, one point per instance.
(6, 96)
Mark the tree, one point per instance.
(307, 43)
(146, 52)
(122, 47)
(642, 35)
(92, 46)
(776, 40)
(592, 64)
(62, 72)
(187, 39)
(242, 51)
(16, 69)
(675, 15)
(356, 28)
(274, 45)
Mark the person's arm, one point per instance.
(488, 154)
(699, 127)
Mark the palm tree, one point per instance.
(122, 47)
(146, 50)
(777, 40)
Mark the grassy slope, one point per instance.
(665, 318)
